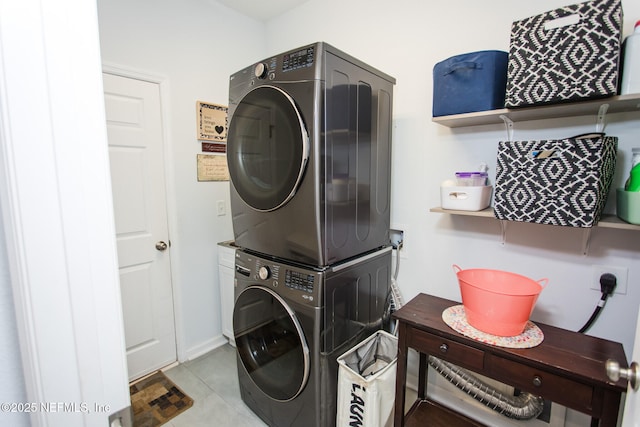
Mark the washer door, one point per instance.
(270, 343)
(267, 148)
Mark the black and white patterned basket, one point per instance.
(567, 54)
(555, 182)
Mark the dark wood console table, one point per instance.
(567, 367)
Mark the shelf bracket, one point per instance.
(508, 123)
(602, 118)
(586, 237)
(503, 231)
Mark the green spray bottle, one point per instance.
(633, 182)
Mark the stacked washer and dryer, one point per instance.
(309, 156)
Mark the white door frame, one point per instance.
(57, 212)
(631, 415)
(163, 84)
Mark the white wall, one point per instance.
(188, 43)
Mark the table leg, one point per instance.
(401, 377)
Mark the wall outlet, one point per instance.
(620, 273)
(222, 208)
(396, 236)
(398, 232)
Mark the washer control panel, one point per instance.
(267, 272)
(264, 272)
(299, 280)
(291, 281)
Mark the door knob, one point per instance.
(615, 372)
(161, 246)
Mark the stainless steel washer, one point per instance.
(291, 322)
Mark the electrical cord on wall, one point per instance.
(395, 296)
(607, 286)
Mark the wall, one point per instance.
(188, 43)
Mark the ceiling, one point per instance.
(262, 10)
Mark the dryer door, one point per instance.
(267, 148)
(270, 343)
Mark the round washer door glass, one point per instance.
(270, 342)
(267, 148)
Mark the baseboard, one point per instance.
(205, 347)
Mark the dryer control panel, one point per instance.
(302, 58)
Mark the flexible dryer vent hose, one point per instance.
(522, 407)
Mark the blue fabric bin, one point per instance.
(470, 82)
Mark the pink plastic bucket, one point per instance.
(498, 302)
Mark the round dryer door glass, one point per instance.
(267, 148)
(270, 343)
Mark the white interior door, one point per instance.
(631, 416)
(134, 129)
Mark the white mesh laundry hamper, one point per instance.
(367, 382)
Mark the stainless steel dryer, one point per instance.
(309, 155)
(292, 322)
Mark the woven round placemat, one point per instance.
(456, 319)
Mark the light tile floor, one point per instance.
(212, 382)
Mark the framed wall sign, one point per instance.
(211, 121)
(212, 167)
